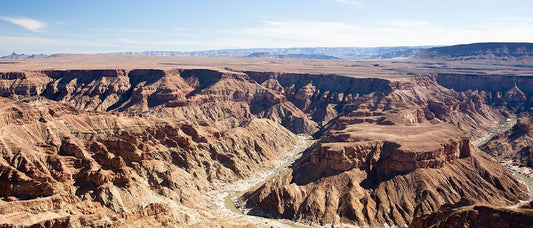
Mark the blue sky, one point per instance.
(66, 26)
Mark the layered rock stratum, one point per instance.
(515, 144)
(385, 162)
(468, 213)
(142, 147)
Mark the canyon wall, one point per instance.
(514, 144)
(390, 157)
(508, 90)
(118, 145)
(469, 213)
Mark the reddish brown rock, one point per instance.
(514, 144)
(128, 145)
(469, 214)
(386, 161)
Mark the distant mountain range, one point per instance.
(488, 52)
(290, 56)
(352, 53)
(23, 56)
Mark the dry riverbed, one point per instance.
(223, 198)
(523, 174)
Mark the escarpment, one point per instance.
(514, 92)
(321, 96)
(391, 157)
(514, 144)
(112, 147)
(468, 212)
(124, 162)
(178, 92)
(374, 175)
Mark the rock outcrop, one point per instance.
(120, 165)
(466, 213)
(115, 147)
(233, 95)
(513, 92)
(383, 175)
(515, 144)
(390, 157)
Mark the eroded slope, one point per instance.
(110, 147)
(390, 157)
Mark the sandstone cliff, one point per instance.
(119, 165)
(377, 175)
(391, 156)
(466, 213)
(182, 94)
(515, 144)
(514, 92)
(112, 147)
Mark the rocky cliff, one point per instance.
(112, 147)
(391, 156)
(321, 96)
(515, 144)
(177, 92)
(128, 139)
(468, 213)
(381, 175)
(514, 92)
(121, 163)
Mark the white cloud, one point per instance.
(27, 23)
(388, 33)
(350, 2)
(35, 45)
(278, 34)
(490, 2)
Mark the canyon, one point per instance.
(137, 141)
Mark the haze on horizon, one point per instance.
(110, 26)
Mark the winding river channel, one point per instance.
(518, 172)
(226, 196)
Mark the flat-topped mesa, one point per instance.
(389, 149)
(371, 175)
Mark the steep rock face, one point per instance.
(365, 154)
(508, 94)
(321, 96)
(179, 91)
(383, 178)
(22, 84)
(169, 135)
(514, 92)
(467, 213)
(326, 97)
(121, 163)
(285, 98)
(390, 157)
(515, 144)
